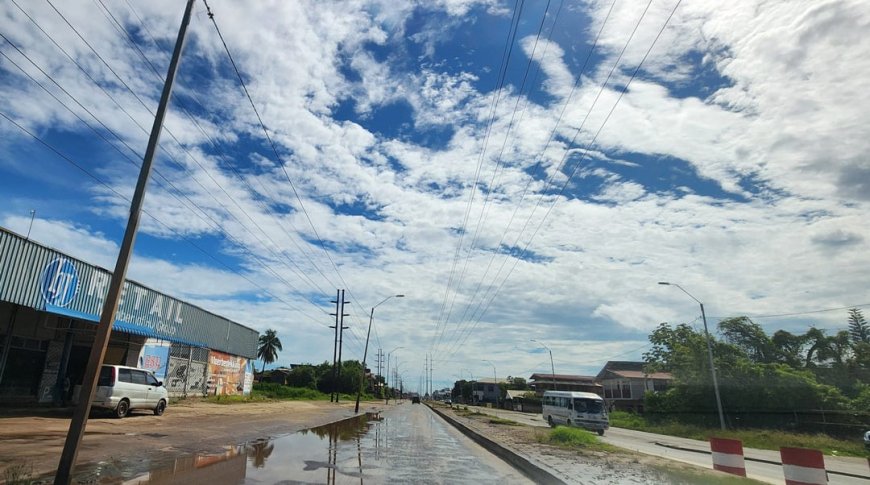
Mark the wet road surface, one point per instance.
(407, 443)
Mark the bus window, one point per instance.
(593, 406)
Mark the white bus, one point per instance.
(581, 409)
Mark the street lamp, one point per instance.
(366, 351)
(552, 367)
(494, 379)
(387, 378)
(709, 352)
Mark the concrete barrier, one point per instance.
(728, 456)
(802, 466)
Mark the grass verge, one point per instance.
(765, 439)
(265, 392)
(574, 438)
(506, 422)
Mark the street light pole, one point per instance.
(366, 351)
(709, 353)
(552, 367)
(387, 377)
(494, 379)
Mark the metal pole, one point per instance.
(32, 215)
(552, 368)
(709, 353)
(365, 354)
(110, 306)
(713, 370)
(7, 344)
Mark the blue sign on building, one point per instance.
(59, 283)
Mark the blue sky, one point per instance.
(734, 164)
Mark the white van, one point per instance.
(581, 409)
(121, 389)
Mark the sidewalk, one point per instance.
(657, 444)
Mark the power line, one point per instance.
(583, 156)
(127, 199)
(507, 50)
(218, 225)
(481, 220)
(791, 314)
(282, 165)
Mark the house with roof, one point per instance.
(541, 382)
(625, 383)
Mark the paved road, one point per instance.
(650, 444)
(405, 443)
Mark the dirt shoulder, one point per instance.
(579, 465)
(186, 427)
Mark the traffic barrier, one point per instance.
(728, 456)
(803, 467)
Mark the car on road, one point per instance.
(121, 389)
(867, 440)
(415, 400)
(581, 409)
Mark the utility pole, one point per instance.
(341, 329)
(110, 305)
(335, 345)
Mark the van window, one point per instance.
(152, 381)
(594, 406)
(139, 377)
(124, 375)
(107, 377)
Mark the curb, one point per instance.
(529, 469)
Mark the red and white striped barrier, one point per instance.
(728, 456)
(803, 467)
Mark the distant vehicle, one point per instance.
(580, 409)
(121, 389)
(867, 440)
(415, 400)
(448, 402)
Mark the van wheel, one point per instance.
(600, 432)
(161, 406)
(550, 422)
(122, 409)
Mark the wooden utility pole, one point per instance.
(110, 305)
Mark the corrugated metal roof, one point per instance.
(42, 278)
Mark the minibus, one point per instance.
(580, 409)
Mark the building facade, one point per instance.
(541, 382)
(50, 303)
(625, 384)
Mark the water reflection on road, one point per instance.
(405, 444)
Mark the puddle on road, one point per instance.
(326, 454)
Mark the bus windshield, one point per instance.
(583, 405)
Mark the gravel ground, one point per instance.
(579, 466)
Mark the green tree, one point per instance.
(268, 347)
(789, 348)
(749, 337)
(303, 376)
(859, 329)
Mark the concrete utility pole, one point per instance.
(366, 351)
(552, 367)
(335, 345)
(341, 329)
(32, 215)
(110, 306)
(709, 353)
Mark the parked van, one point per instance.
(121, 389)
(581, 409)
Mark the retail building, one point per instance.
(49, 307)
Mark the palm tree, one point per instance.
(268, 348)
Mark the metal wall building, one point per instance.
(49, 306)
